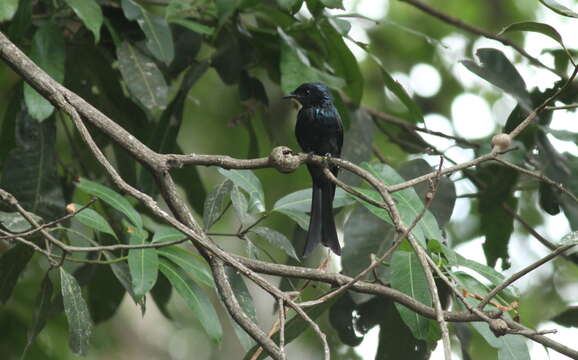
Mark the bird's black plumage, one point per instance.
(319, 131)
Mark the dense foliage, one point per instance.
(201, 76)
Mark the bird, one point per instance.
(319, 131)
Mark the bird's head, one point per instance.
(311, 94)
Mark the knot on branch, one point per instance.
(283, 159)
(501, 142)
(499, 327)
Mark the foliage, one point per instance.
(207, 77)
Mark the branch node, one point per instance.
(499, 327)
(284, 159)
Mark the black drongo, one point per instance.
(319, 131)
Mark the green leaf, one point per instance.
(122, 272)
(489, 273)
(245, 300)
(559, 8)
(532, 26)
(112, 198)
(103, 304)
(295, 72)
(157, 31)
(496, 69)
(408, 276)
(142, 263)
(216, 203)
(142, 77)
(568, 318)
(286, 4)
(240, 205)
(342, 61)
(41, 312)
(497, 226)
(8, 9)
(90, 13)
(408, 203)
(77, 314)
(300, 201)
(402, 95)
(194, 264)
(247, 181)
(276, 239)
(333, 4)
(16, 223)
(167, 234)
(195, 298)
(93, 220)
(510, 347)
(48, 52)
(12, 264)
(193, 26)
(295, 327)
(30, 171)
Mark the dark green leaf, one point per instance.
(286, 4)
(16, 223)
(333, 4)
(489, 273)
(245, 300)
(93, 220)
(14, 110)
(240, 205)
(195, 265)
(48, 52)
(30, 171)
(41, 312)
(193, 26)
(342, 60)
(497, 225)
(8, 9)
(276, 239)
(77, 314)
(559, 8)
(402, 95)
(104, 294)
(364, 235)
(12, 263)
(167, 234)
(143, 264)
(90, 13)
(216, 203)
(197, 301)
(408, 276)
(161, 294)
(247, 181)
(142, 77)
(300, 201)
(537, 27)
(112, 198)
(157, 31)
(568, 318)
(122, 273)
(498, 70)
(443, 203)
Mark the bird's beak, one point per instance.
(289, 96)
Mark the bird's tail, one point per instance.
(322, 224)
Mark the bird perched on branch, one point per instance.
(319, 131)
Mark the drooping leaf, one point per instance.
(156, 29)
(77, 314)
(112, 198)
(142, 77)
(41, 313)
(247, 181)
(104, 304)
(495, 68)
(245, 300)
(194, 297)
(532, 26)
(93, 220)
(342, 60)
(216, 203)
(90, 13)
(30, 171)
(408, 276)
(48, 52)
(122, 273)
(15, 223)
(161, 294)
(143, 264)
(559, 8)
(194, 264)
(12, 263)
(276, 239)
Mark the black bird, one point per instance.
(319, 131)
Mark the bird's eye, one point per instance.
(307, 92)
